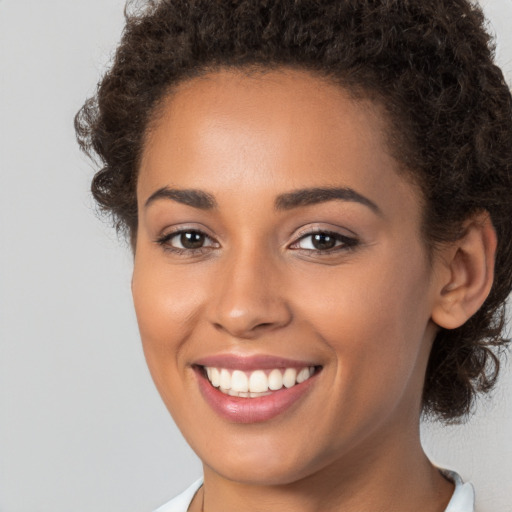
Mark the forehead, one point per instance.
(269, 131)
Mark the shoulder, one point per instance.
(183, 500)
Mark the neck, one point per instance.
(394, 475)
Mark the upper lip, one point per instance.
(249, 363)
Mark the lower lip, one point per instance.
(252, 410)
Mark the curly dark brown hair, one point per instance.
(429, 64)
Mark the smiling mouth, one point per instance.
(254, 389)
(256, 383)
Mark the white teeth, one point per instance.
(256, 395)
(257, 383)
(239, 382)
(230, 392)
(225, 379)
(302, 375)
(215, 377)
(289, 377)
(275, 380)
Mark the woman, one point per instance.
(317, 196)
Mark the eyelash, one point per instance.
(164, 242)
(346, 243)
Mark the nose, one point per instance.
(248, 297)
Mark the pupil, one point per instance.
(192, 240)
(323, 241)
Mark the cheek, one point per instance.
(166, 298)
(167, 306)
(374, 318)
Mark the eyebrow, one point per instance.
(302, 197)
(310, 196)
(190, 197)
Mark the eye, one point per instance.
(189, 240)
(324, 241)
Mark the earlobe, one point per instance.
(467, 276)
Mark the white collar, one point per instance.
(463, 498)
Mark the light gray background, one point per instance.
(81, 426)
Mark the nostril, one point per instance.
(241, 329)
(263, 325)
(253, 319)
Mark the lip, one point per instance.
(250, 363)
(251, 410)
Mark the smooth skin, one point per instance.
(366, 307)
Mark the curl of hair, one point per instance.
(430, 66)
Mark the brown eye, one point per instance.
(187, 240)
(323, 241)
(192, 239)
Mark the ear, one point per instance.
(466, 274)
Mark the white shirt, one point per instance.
(463, 498)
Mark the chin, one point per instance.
(266, 464)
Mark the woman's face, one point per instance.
(278, 243)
